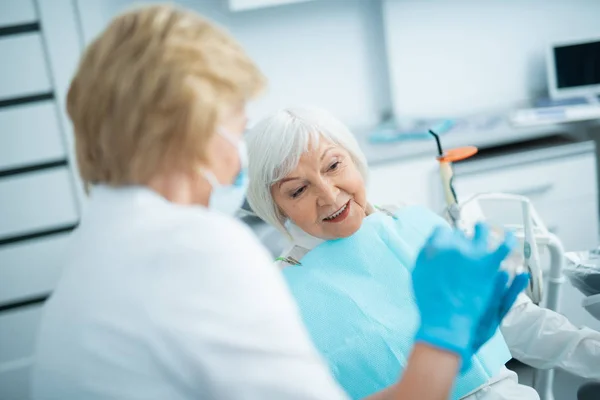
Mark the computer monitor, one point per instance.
(574, 68)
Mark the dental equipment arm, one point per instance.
(532, 232)
(543, 379)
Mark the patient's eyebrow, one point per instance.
(284, 180)
(326, 151)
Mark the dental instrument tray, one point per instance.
(583, 270)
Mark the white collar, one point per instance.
(301, 238)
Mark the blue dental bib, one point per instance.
(356, 300)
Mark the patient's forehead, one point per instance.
(318, 145)
(316, 150)
(307, 155)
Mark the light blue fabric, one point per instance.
(355, 296)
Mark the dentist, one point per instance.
(163, 294)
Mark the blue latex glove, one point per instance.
(501, 301)
(454, 280)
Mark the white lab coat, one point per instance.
(535, 336)
(160, 301)
(545, 339)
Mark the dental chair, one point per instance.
(583, 270)
(589, 391)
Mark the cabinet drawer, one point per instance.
(23, 68)
(14, 383)
(555, 179)
(36, 201)
(31, 268)
(18, 331)
(16, 12)
(30, 135)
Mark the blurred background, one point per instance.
(519, 79)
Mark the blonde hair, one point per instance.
(149, 92)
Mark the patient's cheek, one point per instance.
(351, 225)
(357, 220)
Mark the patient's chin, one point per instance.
(347, 233)
(346, 228)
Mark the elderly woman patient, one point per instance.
(307, 178)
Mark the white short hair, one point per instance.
(275, 145)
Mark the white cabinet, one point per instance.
(14, 381)
(16, 12)
(26, 74)
(560, 182)
(36, 202)
(18, 347)
(17, 343)
(243, 5)
(31, 268)
(31, 134)
(39, 47)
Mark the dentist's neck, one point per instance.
(180, 188)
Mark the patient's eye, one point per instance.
(335, 166)
(298, 192)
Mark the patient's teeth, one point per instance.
(332, 216)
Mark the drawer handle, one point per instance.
(535, 191)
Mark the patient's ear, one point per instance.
(281, 214)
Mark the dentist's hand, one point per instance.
(454, 281)
(501, 301)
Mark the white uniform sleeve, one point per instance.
(545, 339)
(230, 328)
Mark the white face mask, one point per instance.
(229, 198)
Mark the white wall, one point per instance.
(325, 52)
(461, 56)
(444, 57)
